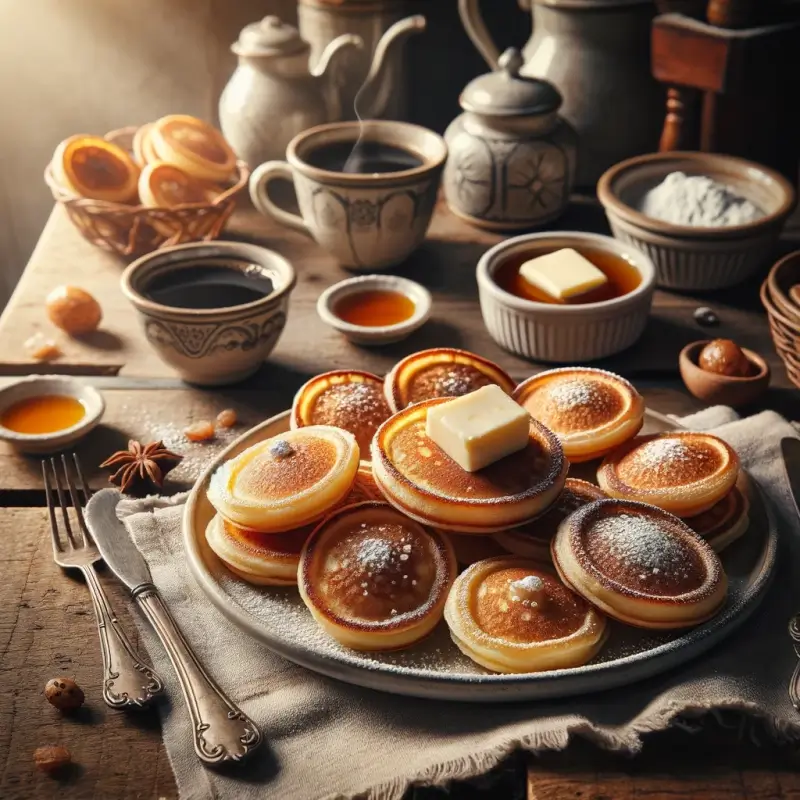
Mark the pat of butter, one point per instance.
(479, 428)
(563, 274)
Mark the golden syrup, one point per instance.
(46, 414)
(374, 308)
(622, 276)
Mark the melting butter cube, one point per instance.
(563, 274)
(479, 428)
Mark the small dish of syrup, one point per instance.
(375, 309)
(622, 276)
(47, 414)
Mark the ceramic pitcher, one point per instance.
(597, 54)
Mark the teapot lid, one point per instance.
(269, 37)
(506, 93)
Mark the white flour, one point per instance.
(698, 201)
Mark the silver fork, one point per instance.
(127, 680)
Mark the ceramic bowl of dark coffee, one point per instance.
(366, 191)
(212, 311)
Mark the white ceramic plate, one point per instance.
(435, 667)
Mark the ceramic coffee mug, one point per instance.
(369, 220)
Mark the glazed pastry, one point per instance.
(142, 147)
(511, 615)
(639, 564)
(91, 167)
(420, 479)
(347, 399)
(725, 522)
(164, 186)
(683, 473)
(590, 410)
(470, 548)
(441, 372)
(193, 146)
(265, 559)
(374, 579)
(532, 540)
(286, 481)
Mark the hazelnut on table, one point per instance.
(52, 758)
(64, 694)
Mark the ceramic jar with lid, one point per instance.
(512, 158)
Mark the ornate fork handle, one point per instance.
(222, 732)
(794, 682)
(127, 680)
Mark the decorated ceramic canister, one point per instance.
(512, 158)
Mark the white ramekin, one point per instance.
(560, 333)
(386, 334)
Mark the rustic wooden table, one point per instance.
(46, 624)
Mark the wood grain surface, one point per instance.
(46, 623)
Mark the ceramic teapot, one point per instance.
(512, 158)
(273, 95)
(597, 54)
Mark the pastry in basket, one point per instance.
(592, 411)
(639, 564)
(287, 481)
(441, 372)
(470, 548)
(421, 479)
(532, 540)
(194, 146)
(165, 186)
(347, 399)
(683, 473)
(91, 167)
(512, 615)
(374, 579)
(725, 522)
(142, 147)
(271, 559)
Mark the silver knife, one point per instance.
(790, 449)
(222, 732)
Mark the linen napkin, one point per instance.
(326, 739)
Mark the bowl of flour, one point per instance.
(707, 221)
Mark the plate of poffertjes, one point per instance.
(615, 545)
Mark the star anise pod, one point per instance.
(141, 467)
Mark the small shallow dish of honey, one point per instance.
(45, 414)
(375, 309)
(597, 324)
(718, 389)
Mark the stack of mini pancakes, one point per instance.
(360, 508)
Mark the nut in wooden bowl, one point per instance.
(716, 388)
(130, 229)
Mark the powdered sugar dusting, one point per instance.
(569, 394)
(641, 543)
(657, 452)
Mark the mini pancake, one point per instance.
(143, 152)
(286, 481)
(725, 522)
(374, 579)
(532, 540)
(347, 399)
(420, 479)
(193, 145)
(470, 548)
(512, 615)
(165, 186)
(441, 372)
(590, 410)
(265, 559)
(683, 473)
(90, 166)
(639, 564)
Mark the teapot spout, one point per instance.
(374, 94)
(328, 71)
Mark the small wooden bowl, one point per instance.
(722, 389)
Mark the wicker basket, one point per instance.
(785, 332)
(130, 230)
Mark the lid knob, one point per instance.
(271, 22)
(511, 62)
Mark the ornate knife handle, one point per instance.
(222, 732)
(794, 682)
(128, 682)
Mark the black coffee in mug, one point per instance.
(363, 158)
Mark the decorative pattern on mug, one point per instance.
(198, 341)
